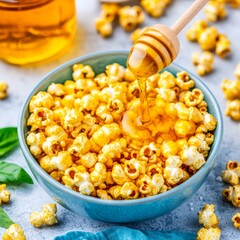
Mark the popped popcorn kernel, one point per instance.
(233, 109)
(236, 220)
(3, 90)
(209, 234)
(4, 194)
(14, 232)
(232, 194)
(207, 217)
(203, 62)
(130, 17)
(155, 8)
(46, 217)
(215, 10)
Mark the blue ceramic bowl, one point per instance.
(116, 210)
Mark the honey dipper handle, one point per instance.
(188, 15)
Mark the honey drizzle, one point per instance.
(145, 117)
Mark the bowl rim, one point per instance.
(31, 161)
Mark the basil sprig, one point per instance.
(8, 140)
(12, 173)
(5, 221)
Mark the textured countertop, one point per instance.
(26, 199)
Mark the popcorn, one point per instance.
(207, 217)
(14, 232)
(236, 220)
(232, 194)
(223, 46)
(130, 17)
(206, 234)
(88, 134)
(215, 10)
(46, 217)
(155, 8)
(233, 109)
(232, 173)
(209, 39)
(3, 90)
(4, 194)
(203, 62)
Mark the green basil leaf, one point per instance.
(5, 221)
(12, 173)
(8, 140)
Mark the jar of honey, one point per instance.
(34, 30)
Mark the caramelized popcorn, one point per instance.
(232, 173)
(3, 90)
(193, 33)
(209, 39)
(215, 10)
(87, 134)
(207, 217)
(232, 194)
(231, 89)
(155, 8)
(233, 109)
(130, 17)
(203, 62)
(4, 194)
(236, 220)
(104, 27)
(209, 234)
(14, 232)
(46, 217)
(223, 46)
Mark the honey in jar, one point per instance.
(34, 30)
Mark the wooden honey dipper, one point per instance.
(158, 45)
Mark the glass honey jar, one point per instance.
(34, 30)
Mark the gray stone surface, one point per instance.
(26, 199)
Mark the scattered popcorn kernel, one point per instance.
(14, 232)
(209, 234)
(207, 217)
(232, 194)
(46, 217)
(215, 10)
(233, 109)
(130, 17)
(104, 27)
(223, 46)
(203, 62)
(109, 11)
(4, 194)
(232, 173)
(236, 220)
(193, 33)
(3, 90)
(231, 89)
(207, 39)
(155, 8)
